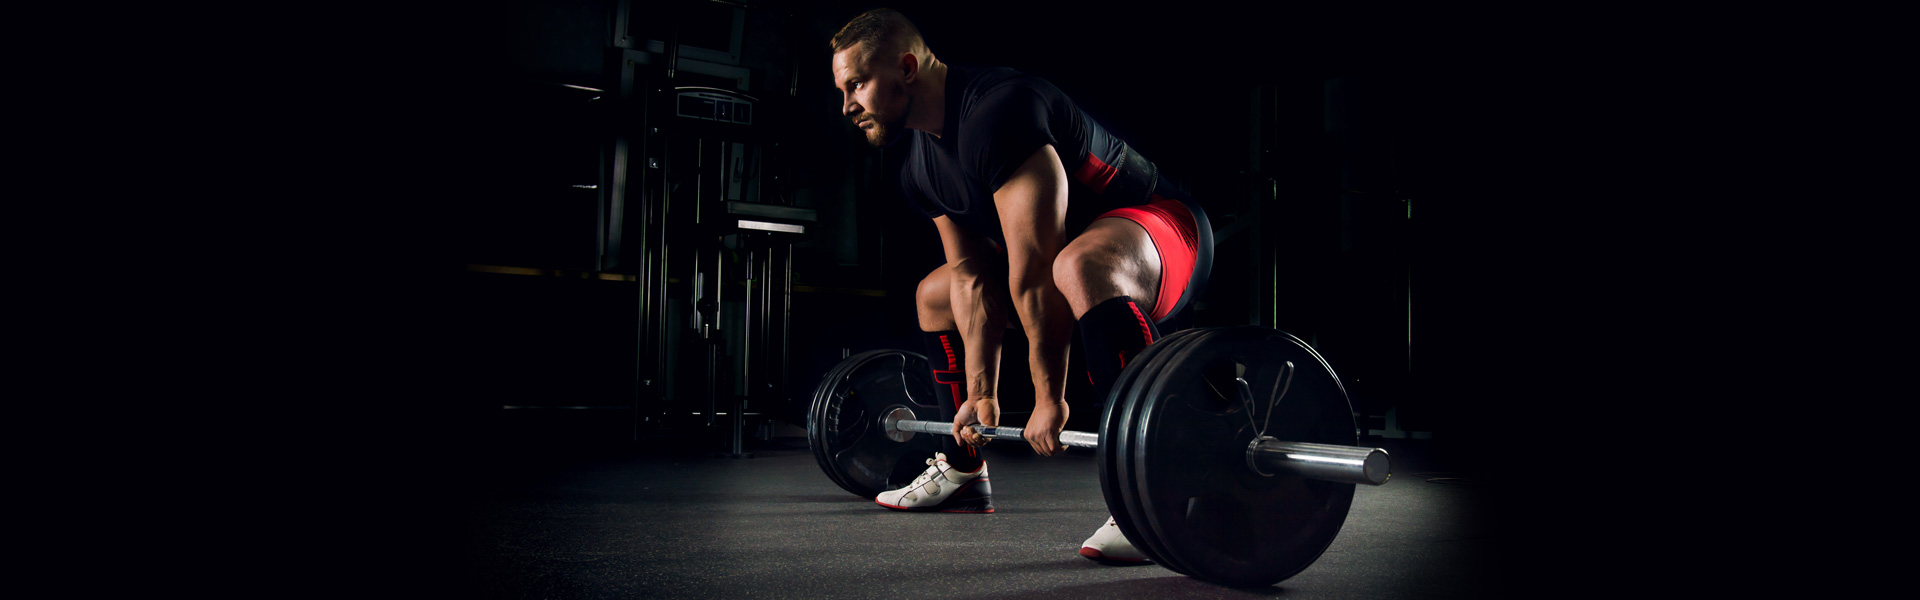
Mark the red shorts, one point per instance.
(1171, 226)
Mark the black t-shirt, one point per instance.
(996, 119)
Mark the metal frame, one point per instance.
(623, 38)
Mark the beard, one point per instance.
(887, 126)
(881, 134)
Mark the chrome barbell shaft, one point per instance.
(1266, 456)
(1079, 439)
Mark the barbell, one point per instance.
(1265, 455)
(1225, 454)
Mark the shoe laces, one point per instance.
(933, 468)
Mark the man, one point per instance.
(992, 155)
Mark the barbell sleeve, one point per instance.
(1325, 462)
(1265, 455)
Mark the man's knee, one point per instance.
(932, 302)
(1088, 274)
(1072, 271)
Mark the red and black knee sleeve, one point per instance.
(947, 357)
(1112, 333)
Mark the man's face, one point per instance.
(872, 94)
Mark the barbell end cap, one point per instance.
(1378, 467)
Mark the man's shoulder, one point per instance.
(987, 81)
(998, 98)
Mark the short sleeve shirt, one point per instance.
(996, 119)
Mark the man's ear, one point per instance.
(909, 66)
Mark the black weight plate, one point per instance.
(1142, 398)
(846, 432)
(833, 423)
(1151, 370)
(1116, 430)
(816, 436)
(1114, 417)
(1115, 437)
(817, 423)
(1113, 420)
(1207, 511)
(816, 426)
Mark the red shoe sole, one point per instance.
(1096, 556)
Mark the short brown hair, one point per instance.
(881, 28)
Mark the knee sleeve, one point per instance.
(1112, 333)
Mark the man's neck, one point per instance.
(930, 107)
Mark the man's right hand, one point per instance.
(985, 411)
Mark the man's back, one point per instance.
(996, 118)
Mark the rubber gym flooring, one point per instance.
(538, 512)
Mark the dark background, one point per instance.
(1364, 154)
(1472, 156)
(1588, 223)
(1523, 137)
(1319, 129)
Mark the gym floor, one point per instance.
(553, 516)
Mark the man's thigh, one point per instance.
(1113, 257)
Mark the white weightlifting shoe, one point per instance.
(942, 489)
(1110, 546)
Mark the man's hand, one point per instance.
(985, 411)
(1043, 429)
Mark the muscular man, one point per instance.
(1044, 218)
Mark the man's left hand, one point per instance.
(1043, 429)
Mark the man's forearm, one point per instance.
(1048, 321)
(981, 315)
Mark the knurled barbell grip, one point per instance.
(1342, 464)
(1078, 439)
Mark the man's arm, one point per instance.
(976, 295)
(1033, 215)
